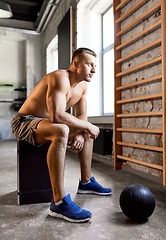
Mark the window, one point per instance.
(52, 55)
(108, 61)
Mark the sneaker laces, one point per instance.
(73, 207)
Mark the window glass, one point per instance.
(52, 55)
(108, 84)
(108, 62)
(108, 28)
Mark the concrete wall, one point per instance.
(153, 105)
(20, 65)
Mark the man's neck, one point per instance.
(74, 80)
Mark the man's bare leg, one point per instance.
(58, 135)
(85, 157)
(56, 166)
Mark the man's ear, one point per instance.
(76, 63)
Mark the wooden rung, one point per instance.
(139, 98)
(138, 19)
(139, 51)
(139, 35)
(130, 10)
(139, 82)
(120, 5)
(139, 66)
(139, 114)
(139, 130)
(159, 149)
(151, 165)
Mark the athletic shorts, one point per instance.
(22, 127)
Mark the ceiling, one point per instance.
(30, 14)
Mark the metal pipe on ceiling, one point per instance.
(47, 15)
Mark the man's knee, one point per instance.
(61, 131)
(87, 137)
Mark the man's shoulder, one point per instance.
(58, 79)
(57, 74)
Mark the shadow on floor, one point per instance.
(9, 199)
(120, 219)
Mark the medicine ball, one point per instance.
(137, 202)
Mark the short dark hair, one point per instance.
(81, 51)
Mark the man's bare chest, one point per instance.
(72, 97)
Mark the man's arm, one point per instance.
(77, 141)
(58, 86)
(81, 106)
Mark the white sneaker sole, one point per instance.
(58, 215)
(93, 192)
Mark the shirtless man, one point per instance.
(43, 118)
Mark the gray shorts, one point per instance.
(22, 127)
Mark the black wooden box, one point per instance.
(33, 181)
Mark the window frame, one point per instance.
(107, 49)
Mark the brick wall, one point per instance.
(155, 87)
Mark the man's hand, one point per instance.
(93, 131)
(77, 142)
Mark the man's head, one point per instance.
(84, 62)
(79, 53)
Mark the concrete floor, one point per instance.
(108, 222)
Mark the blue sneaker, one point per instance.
(93, 187)
(69, 211)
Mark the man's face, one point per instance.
(86, 67)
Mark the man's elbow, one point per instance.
(82, 117)
(56, 118)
